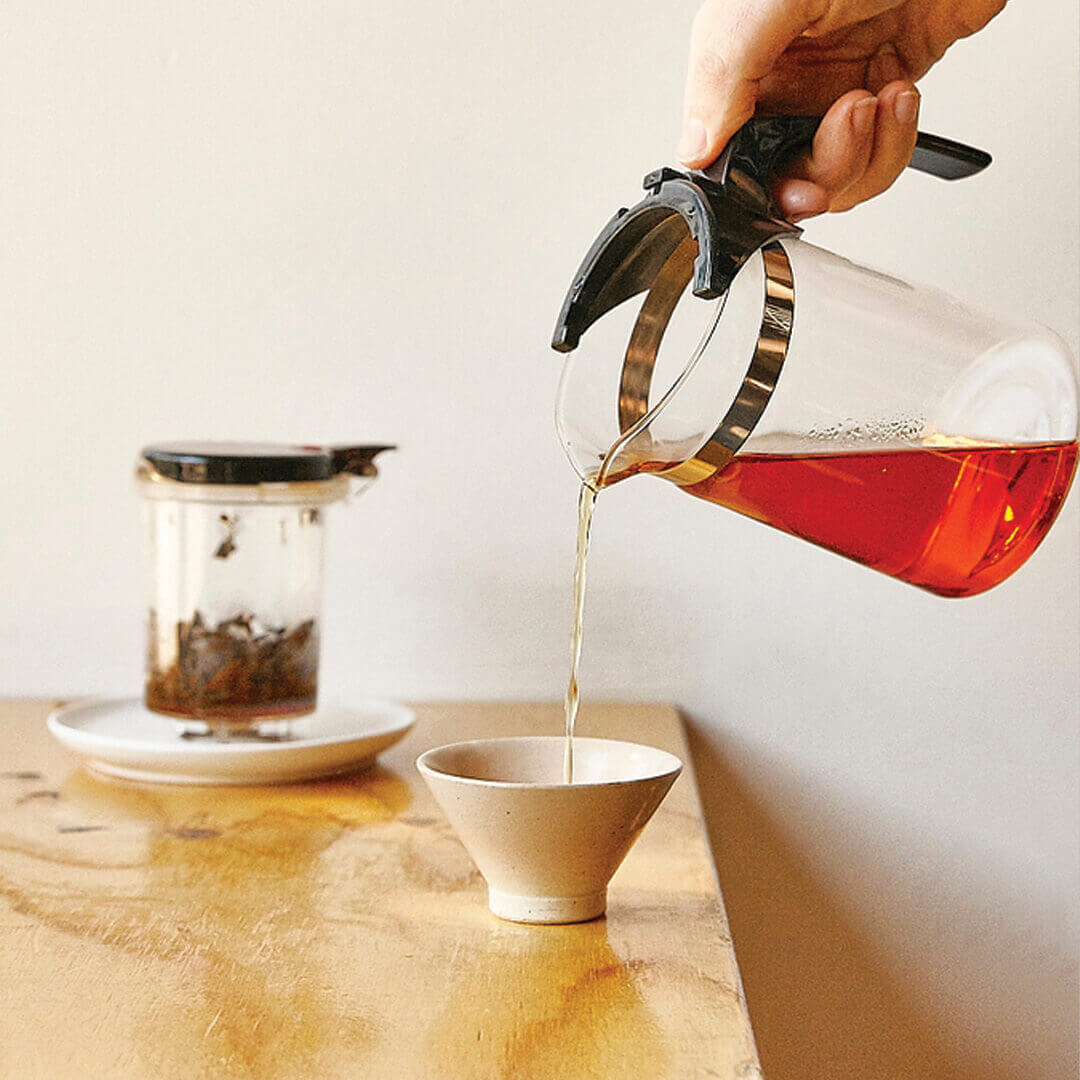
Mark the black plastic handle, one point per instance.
(947, 158)
(758, 147)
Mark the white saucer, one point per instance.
(120, 737)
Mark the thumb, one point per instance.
(733, 45)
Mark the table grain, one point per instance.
(338, 929)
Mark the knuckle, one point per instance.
(969, 19)
(712, 66)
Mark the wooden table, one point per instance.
(338, 929)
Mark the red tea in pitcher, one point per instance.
(953, 520)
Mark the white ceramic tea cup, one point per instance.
(548, 849)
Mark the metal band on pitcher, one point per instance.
(652, 322)
(774, 334)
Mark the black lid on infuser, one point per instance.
(257, 463)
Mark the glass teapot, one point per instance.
(880, 419)
(234, 543)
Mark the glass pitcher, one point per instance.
(880, 419)
(234, 543)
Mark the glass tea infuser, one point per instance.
(234, 536)
(712, 346)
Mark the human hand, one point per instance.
(855, 61)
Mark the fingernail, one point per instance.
(694, 141)
(906, 107)
(862, 115)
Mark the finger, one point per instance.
(895, 131)
(800, 199)
(840, 152)
(733, 45)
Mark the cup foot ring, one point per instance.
(547, 909)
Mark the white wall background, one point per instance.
(356, 221)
